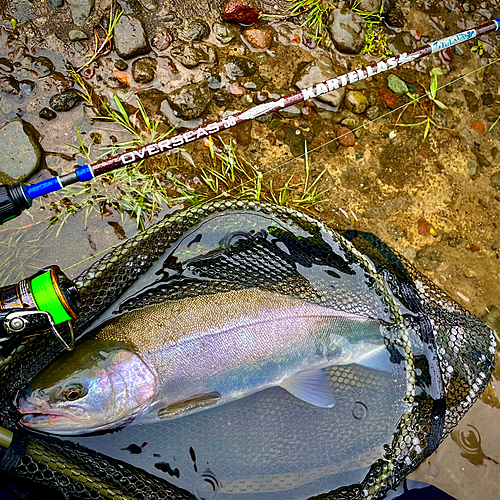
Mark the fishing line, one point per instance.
(225, 193)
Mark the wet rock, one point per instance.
(223, 33)
(495, 180)
(47, 114)
(404, 42)
(5, 65)
(151, 100)
(56, 3)
(190, 101)
(80, 10)
(488, 99)
(258, 38)
(319, 70)
(223, 99)
(397, 85)
(347, 30)
(197, 30)
(162, 40)
(237, 66)
(130, 38)
(22, 153)
(240, 11)
(66, 101)
(294, 139)
(194, 54)
(356, 101)
(395, 18)
(472, 100)
(9, 85)
(76, 35)
(144, 69)
(373, 112)
(27, 87)
(346, 137)
(121, 65)
(42, 65)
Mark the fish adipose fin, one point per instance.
(311, 386)
(377, 359)
(194, 402)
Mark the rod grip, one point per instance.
(13, 200)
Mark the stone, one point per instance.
(488, 99)
(223, 33)
(240, 11)
(194, 54)
(47, 114)
(121, 65)
(27, 87)
(75, 35)
(258, 38)
(494, 180)
(191, 100)
(66, 100)
(404, 42)
(22, 153)
(162, 40)
(346, 137)
(42, 65)
(472, 165)
(294, 139)
(152, 100)
(223, 99)
(144, 69)
(150, 5)
(397, 85)
(373, 112)
(319, 70)
(6, 65)
(56, 3)
(237, 66)
(347, 30)
(80, 10)
(130, 38)
(197, 30)
(356, 101)
(395, 18)
(9, 85)
(369, 5)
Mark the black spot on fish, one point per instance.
(197, 239)
(165, 467)
(134, 448)
(156, 455)
(192, 454)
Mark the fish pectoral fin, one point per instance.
(194, 402)
(311, 386)
(377, 359)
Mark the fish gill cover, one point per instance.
(270, 444)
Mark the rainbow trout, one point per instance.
(181, 356)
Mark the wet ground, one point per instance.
(434, 198)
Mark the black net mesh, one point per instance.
(444, 354)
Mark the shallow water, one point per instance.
(386, 184)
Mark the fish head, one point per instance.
(98, 386)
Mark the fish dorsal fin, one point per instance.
(194, 402)
(377, 359)
(311, 386)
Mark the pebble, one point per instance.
(42, 65)
(121, 65)
(369, 5)
(409, 253)
(346, 137)
(222, 99)
(75, 34)
(389, 98)
(495, 180)
(56, 3)
(144, 69)
(423, 227)
(191, 55)
(472, 165)
(223, 33)
(66, 100)
(47, 114)
(80, 10)
(404, 42)
(150, 5)
(373, 112)
(356, 101)
(6, 65)
(478, 127)
(347, 30)
(197, 30)
(9, 85)
(395, 18)
(241, 12)
(397, 85)
(258, 38)
(294, 139)
(191, 100)
(236, 89)
(22, 153)
(237, 66)
(129, 37)
(162, 40)
(319, 70)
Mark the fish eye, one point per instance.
(74, 392)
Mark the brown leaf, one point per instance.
(122, 76)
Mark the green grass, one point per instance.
(375, 37)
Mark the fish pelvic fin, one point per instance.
(194, 402)
(311, 386)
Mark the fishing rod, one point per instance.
(16, 198)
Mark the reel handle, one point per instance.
(13, 201)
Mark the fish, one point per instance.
(182, 356)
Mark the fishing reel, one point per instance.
(37, 304)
